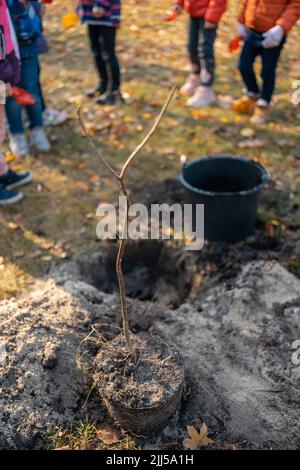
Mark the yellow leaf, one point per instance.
(238, 118)
(225, 120)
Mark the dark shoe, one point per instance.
(111, 98)
(9, 197)
(13, 180)
(98, 91)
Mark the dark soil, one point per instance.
(153, 271)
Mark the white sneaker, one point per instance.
(203, 96)
(18, 145)
(52, 117)
(38, 140)
(189, 88)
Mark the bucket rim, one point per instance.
(265, 176)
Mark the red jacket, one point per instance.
(262, 15)
(210, 10)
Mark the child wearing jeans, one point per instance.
(9, 75)
(28, 28)
(264, 25)
(204, 18)
(103, 20)
(51, 117)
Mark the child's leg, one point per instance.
(108, 45)
(207, 54)
(30, 81)
(270, 59)
(94, 36)
(247, 58)
(193, 44)
(43, 104)
(3, 164)
(14, 116)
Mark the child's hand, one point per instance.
(273, 37)
(177, 9)
(209, 25)
(98, 12)
(242, 30)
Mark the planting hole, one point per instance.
(153, 271)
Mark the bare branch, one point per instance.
(125, 192)
(93, 145)
(150, 133)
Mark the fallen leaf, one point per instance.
(46, 258)
(81, 185)
(225, 101)
(13, 226)
(224, 120)
(200, 114)
(247, 132)
(109, 436)
(197, 439)
(275, 229)
(252, 143)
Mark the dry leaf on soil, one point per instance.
(109, 436)
(197, 439)
(247, 132)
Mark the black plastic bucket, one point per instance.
(229, 188)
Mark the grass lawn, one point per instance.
(57, 216)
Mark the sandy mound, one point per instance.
(235, 339)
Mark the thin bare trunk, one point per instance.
(122, 242)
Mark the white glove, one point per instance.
(242, 30)
(273, 37)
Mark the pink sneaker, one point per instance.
(190, 86)
(203, 96)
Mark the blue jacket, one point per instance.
(112, 15)
(26, 20)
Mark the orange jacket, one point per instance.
(262, 15)
(210, 10)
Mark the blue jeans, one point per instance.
(30, 82)
(269, 57)
(201, 48)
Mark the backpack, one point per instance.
(26, 21)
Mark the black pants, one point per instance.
(201, 48)
(103, 42)
(269, 57)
